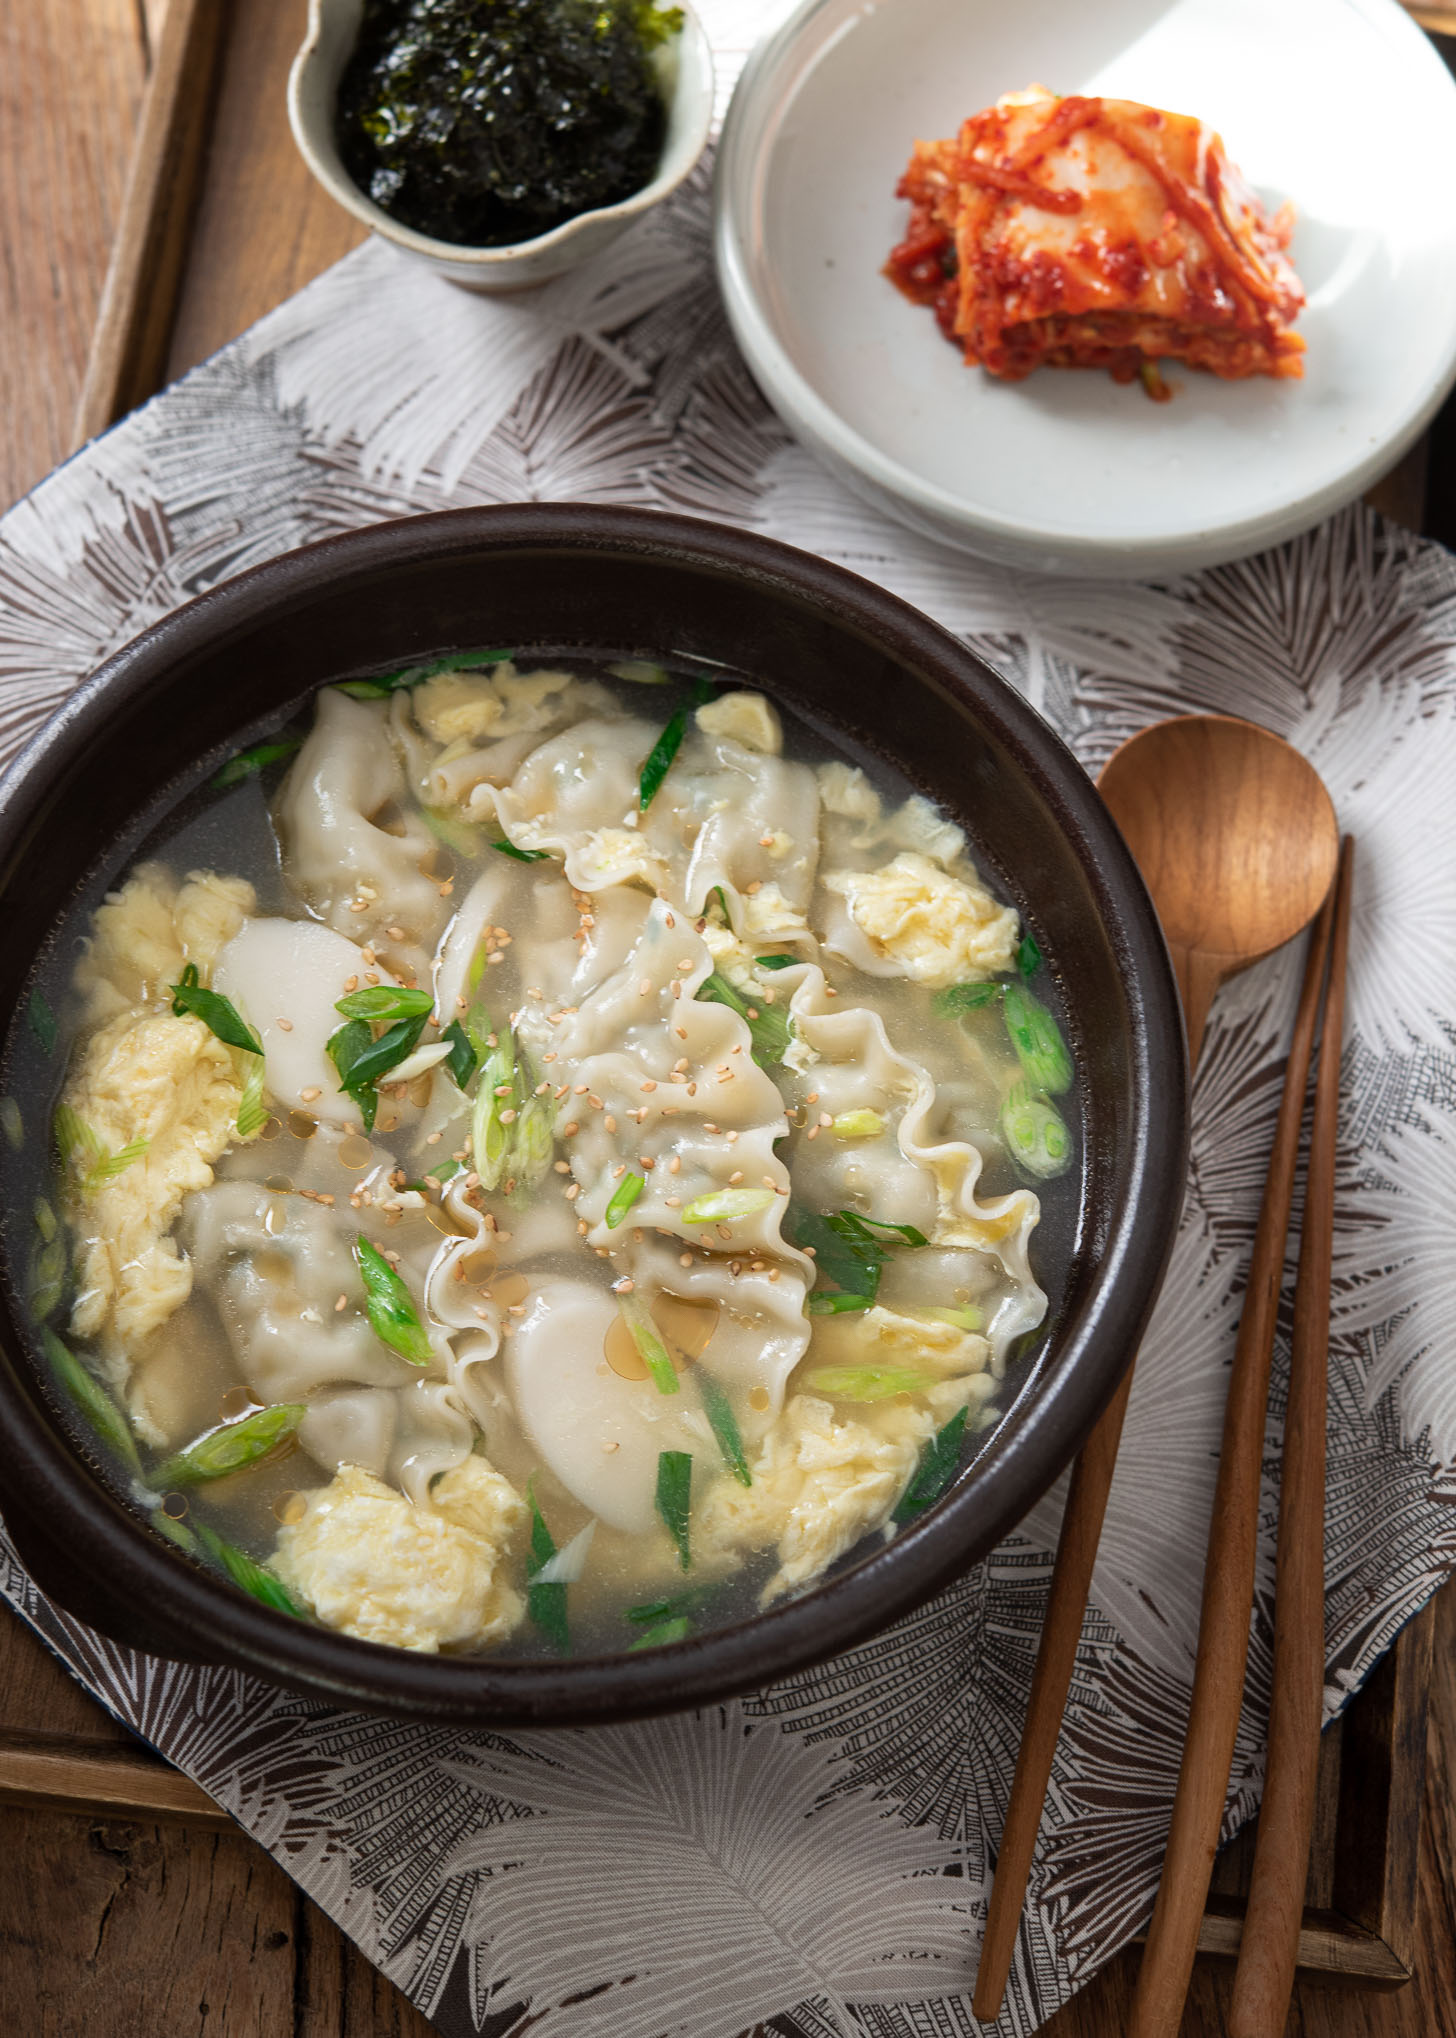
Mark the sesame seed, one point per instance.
(709, 1126)
(813, 1132)
(676, 988)
(368, 954)
(595, 1102)
(610, 1122)
(446, 888)
(648, 1085)
(573, 1192)
(371, 976)
(581, 1227)
(358, 905)
(674, 1166)
(769, 1182)
(735, 1178)
(673, 1202)
(826, 1118)
(307, 1096)
(619, 1170)
(765, 842)
(495, 956)
(542, 1088)
(685, 964)
(285, 1024)
(578, 1089)
(572, 1130)
(562, 1167)
(351, 983)
(680, 1063)
(551, 1056)
(731, 1138)
(644, 986)
(812, 1098)
(756, 886)
(773, 1273)
(559, 1094)
(724, 1231)
(342, 1303)
(395, 933)
(681, 1032)
(830, 992)
(611, 1445)
(684, 1259)
(533, 992)
(492, 1040)
(646, 1161)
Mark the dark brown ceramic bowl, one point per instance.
(150, 727)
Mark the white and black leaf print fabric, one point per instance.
(817, 1855)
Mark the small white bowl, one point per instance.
(686, 64)
(1341, 105)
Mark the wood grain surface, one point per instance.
(131, 1927)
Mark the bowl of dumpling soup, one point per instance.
(594, 1107)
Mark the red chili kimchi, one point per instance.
(1097, 233)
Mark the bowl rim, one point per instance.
(925, 505)
(322, 158)
(51, 1479)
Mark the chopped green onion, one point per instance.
(446, 1172)
(92, 1399)
(252, 1112)
(382, 1002)
(217, 1013)
(392, 1314)
(233, 1446)
(462, 1061)
(961, 998)
(521, 855)
(48, 1271)
(246, 1574)
(383, 1054)
(830, 1302)
(674, 1491)
(665, 749)
(909, 1232)
(662, 1633)
(936, 1469)
(728, 1206)
(1035, 1133)
(248, 763)
(868, 1383)
(690, 1601)
(1028, 956)
(175, 1531)
(857, 1125)
(720, 1414)
(113, 1164)
(546, 1604)
(1038, 1041)
(42, 1021)
(777, 961)
(649, 1342)
(511, 1129)
(623, 1197)
(721, 896)
(767, 1024)
(83, 1154)
(12, 1124)
(46, 1221)
(343, 1050)
(641, 672)
(456, 834)
(383, 684)
(961, 1317)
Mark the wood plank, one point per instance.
(120, 1930)
(263, 227)
(38, 1693)
(340, 1994)
(120, 1784)
(128, 355)
(71, 75)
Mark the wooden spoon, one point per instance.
(1236, 838)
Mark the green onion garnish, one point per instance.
(382, 684)
(383, 1003)
(12, 1124)
(248, 763)
(462, 1061)
(767, 1024)
(511, 1128)
(623, 1197)
(849, 1253)
(963, 1316)
(665, 749)
(231, 1447)
(960, 998)
(344, 1049)
(641, 671)
(674, 1498)
(1028, 956)
(521, 855)
(217, 1013)
(719, 1410)
(662, 1633)
(42, 1021)
(362, 1061)
(935, 1470)
(868, 1383)
(1035, 1133)
(392, 1314)
(728, 1206)
(546, 1604)
(1038, 1041)
(777, 961)
(858, 1125)
(242, 1570)
(93, 1400)
(690, 1601)
(830, 1302)
(81, 1151)
(252, 1112)
(649, 1342)
(446, 1172)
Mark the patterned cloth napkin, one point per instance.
(817, 1855)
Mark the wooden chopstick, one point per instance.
(138, 305)
(1264, 1981)
(1228, 1578)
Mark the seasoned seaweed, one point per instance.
(485, 122)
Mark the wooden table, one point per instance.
(129, 1906)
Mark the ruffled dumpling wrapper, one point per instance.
(352, 850)
(486, 723)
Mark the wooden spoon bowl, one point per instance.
(1237, 839)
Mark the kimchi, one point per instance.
(1097, 233)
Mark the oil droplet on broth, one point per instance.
(758, 1398)
(269, 1129)
(354, 1152)
(509, 1291)
(621, 1353)
(688, 1326)
(280, 1184)
(439, 1216)
(301, 1125)
(174, 1506)
(290, 1508)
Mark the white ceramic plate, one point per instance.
(1340, 105)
